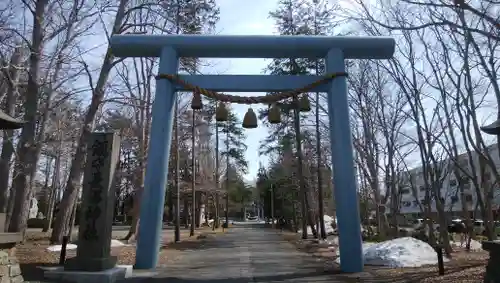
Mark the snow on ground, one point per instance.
(400, 252)
(328, 225)
(249, 221)
(57, 248)
(474, 245)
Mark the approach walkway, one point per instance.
(243, 254)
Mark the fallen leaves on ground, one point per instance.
(33, 252)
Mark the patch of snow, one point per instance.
(474, 245)
(116, 243)
(57, 248)
(400, 252)
(328, 226)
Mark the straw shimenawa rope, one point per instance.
(264, 99)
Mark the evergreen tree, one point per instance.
(291, 19)
(191, 17)
(233, 153)
(234, 143)
(322, 19)
(297, 18)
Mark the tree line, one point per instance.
(421, 109)
(59, 75)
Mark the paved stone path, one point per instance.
(246, 254)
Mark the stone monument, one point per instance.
(93, 261)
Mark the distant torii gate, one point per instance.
(172, 47)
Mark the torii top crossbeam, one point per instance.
(252, 46)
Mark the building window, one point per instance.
(453, 183)
(405, 191)
(454, 199)
(422, 188)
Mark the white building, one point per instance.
(412, 185)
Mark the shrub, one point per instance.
(481, 238)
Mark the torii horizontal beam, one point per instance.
(252, 46)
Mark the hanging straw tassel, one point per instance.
(196, 103)
(274, 114)
(304, 104)
(221, 113)
(250, 119)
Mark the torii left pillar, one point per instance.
(153, 196)
(334, 50)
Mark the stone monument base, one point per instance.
(106, 276)
(90, 264)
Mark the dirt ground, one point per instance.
(464, 267)
(33, 254)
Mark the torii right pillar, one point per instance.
(344, 175)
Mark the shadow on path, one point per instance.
(246, 254)
(317, 276)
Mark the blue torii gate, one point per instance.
(171, 47)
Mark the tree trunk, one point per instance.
(170, 202)
(199, 211)
(7, 142)
(53, 190)
(216, 201)
(133, 231)
(186, 211)
(26, 150)
(307, 217)
(217, 206)
(78, 162)
(206, 208)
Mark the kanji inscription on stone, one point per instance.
(97, 205)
